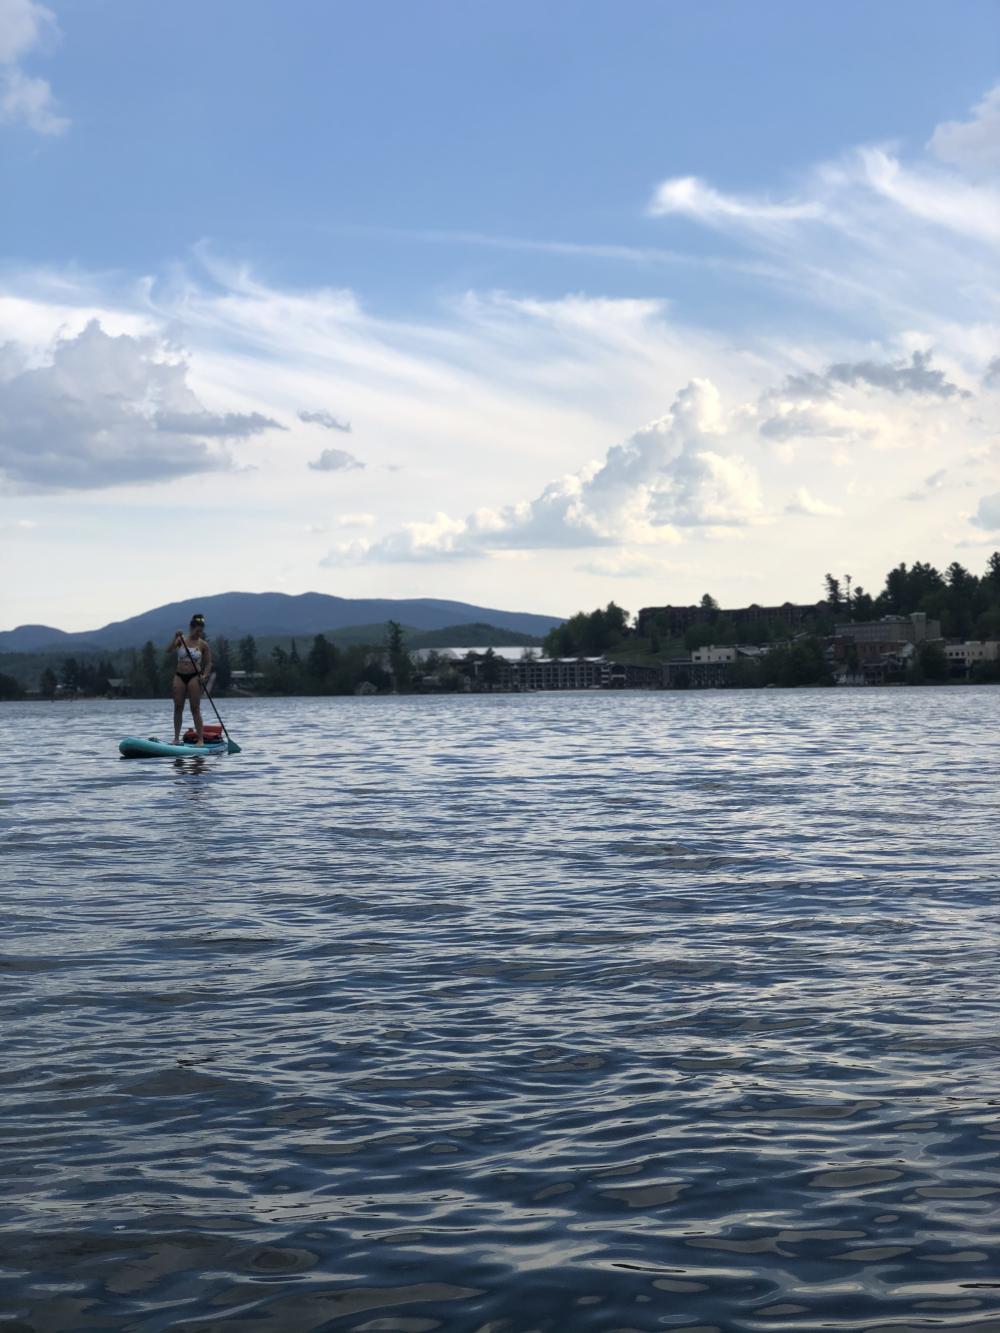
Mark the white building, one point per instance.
(714, 654)
(971, 652)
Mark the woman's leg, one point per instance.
(194, 698)
(179, 690)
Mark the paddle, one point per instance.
(232, 747)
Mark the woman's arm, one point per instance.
(175, 642)
(206, 660)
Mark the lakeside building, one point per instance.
(510, 653)
(708, 667)
(578, 673)
(872, 652)
(711, 653)
(915, 628)
(962, 657)
(675, 621)
(681, 673)
(245, 682)
(881, 662)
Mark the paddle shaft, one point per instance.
(234, 747)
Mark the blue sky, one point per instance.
(500, 242)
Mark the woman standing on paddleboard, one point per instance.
(194, 665)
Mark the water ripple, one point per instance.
(587, 1012)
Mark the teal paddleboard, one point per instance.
(135, 747)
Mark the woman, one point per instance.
(194, 664)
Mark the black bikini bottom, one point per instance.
(191, 675)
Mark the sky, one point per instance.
(532, 306)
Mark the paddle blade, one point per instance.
(233, 748)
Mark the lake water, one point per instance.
(584, 1011)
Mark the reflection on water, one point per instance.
(581, 1012)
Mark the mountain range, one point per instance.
(233, 615)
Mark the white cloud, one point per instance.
(109, 411)
(626, 565)
(26, 26)
(973, 144)
(355, 520)
(943, 199)
(898, 242)
(809, 505)
(691, 196)
(788, 421)
(23, 25)
(336, 460)
(492, 403)
(674, 473)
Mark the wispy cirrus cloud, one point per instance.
(325, 419)
(889, 237)
(692, 197)
(500, 407)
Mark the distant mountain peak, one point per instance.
(237, 614)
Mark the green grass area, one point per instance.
(639, 651)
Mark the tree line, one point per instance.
(319, 667)
(966, 604)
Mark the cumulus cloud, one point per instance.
(493, 395)
(326, 419)
(806, 504)
(675, 473)
(109, 411)
(991, 376)
(336, 460)
(26, 26)
(973, 144)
